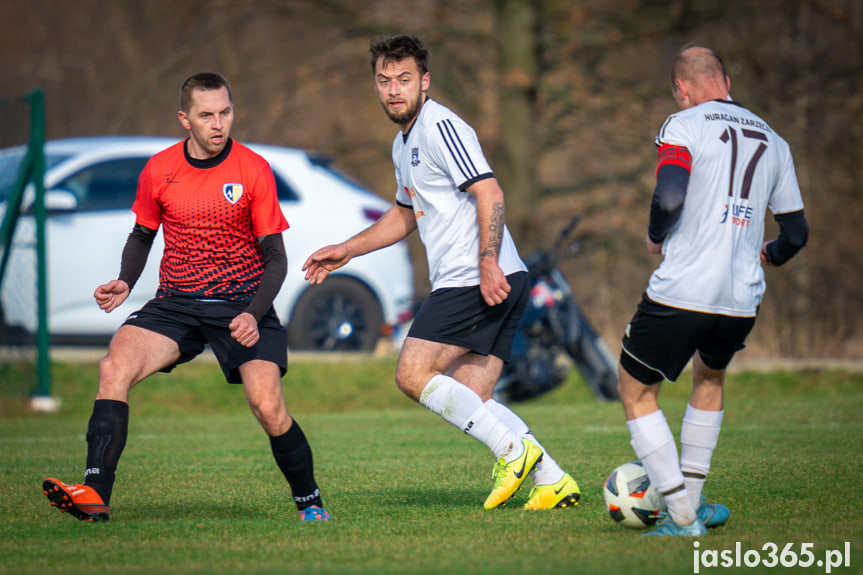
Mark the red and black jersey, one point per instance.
(211, 212)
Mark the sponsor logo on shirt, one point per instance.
(232, 192)
(415, 157)
(412, 194)
(741, 215)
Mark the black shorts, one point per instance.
(193, 323)
(460, 316)
(660, 340)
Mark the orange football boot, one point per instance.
(79, 500)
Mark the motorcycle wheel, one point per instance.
(596, 364)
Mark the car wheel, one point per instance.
(341, 314)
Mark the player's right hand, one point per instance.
(244, 329)
(322, 262)
(112, 294)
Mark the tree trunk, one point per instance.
(516, 159)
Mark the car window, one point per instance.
(110, 185)
(10, 163)
(284, 190)
(325, 163)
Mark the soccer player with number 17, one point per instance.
(720, 168)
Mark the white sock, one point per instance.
(654, 446)
(462, 407)
(699, 435)
(547, 471)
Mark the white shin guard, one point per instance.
(547, 471)
(463, 408)
(699, 435)
(654, 445)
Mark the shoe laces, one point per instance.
(499, 472)
(663, 518)
(314, 513)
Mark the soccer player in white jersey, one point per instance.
(463, 333)
(720, 168)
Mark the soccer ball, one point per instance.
(630, 498)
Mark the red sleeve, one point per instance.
(674, 155)
(148, 212)
(267, 216)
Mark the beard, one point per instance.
(409, 113)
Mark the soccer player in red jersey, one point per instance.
(223, 264)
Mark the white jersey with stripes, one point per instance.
(740, 168)
(435, 163)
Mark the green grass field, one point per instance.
(198, 491)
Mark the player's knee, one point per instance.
(112, 378)
(638, 399)
(272, 415)
(408, 384)
(402, 381)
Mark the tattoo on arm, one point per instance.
(495, 232)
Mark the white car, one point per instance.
(91, 184)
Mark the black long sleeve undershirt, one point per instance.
(667, 203)
(793, 234)
(275, 270)
(135, 254)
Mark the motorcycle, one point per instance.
(554, 333)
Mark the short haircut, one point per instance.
(394, 48)
(694, 61)
(202, 81)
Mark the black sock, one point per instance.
(294, 457)
(106, 438)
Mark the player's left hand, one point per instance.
(765, 261)
(652, 246)
(244, 329)
(493, 284)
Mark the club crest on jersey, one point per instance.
(232, 192)
(415, 157)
